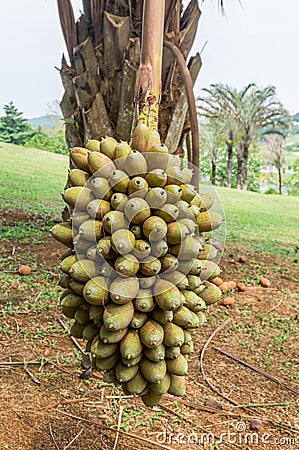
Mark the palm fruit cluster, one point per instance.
(137, 270)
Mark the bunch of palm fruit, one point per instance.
(137, 272)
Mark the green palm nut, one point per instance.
(116, 317)
(190, 224)
(209, 270)
(95, 291)
(122, 150)
(92, 253)
(131, 345)
(96, 314)
(76, 330)
(71, 300)
(183, 317)
(101, 349)
(167, 295)
(142, 249)
(118, 201)
(124, 373)
(138, 320)
(154, 228)
(178, 366)
(146, 282)
(172, 352)
(151, 334)
(188, 192)
(93, 145)
(169, 263)
(150, 266)
(193, 301)
(211, 294)
(84, 270)
(82, 316)
(176, 233)
(78, 177)
(90, 332)
(177, 278)
(123, 241)
(177, 385)
(191, 267)
(161, 316)
(67, 263)
(168, 212)
(159, 248)
(184, 210)
(78, 196)
(126, 265)
(113, 221)
(104, 248)
(112, 337)
(201, 317)
(187, 349)
(174, 193)
(208, 221)
(101, 188)
(79, 157)
(100, 165)
(135, 164)
(157, 156)
(156, 178)
(194, 282)
(131, 362)
(110, 377)
(119, 181)
(98, 208)
(64, 281)
(137, 384)
(151, 399)
(160, 388)
(154, 372)
(144, 301)
(78, 218)
(208, 252)
(91, 230)
(173, 335)
(155, 354)
(137, 210)
(138, 187)
(156, 197)
(63, 233)
(107, 363)
(137, 231)
(123, 290)
(107, 146)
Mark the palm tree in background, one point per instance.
(244, 116)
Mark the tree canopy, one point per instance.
(13, 127)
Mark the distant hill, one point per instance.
(49, 121)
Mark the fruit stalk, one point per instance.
(148, 83)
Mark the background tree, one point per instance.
(211, 139)
(247, 115)
(218, 106)
(14, 128)
(277, 156)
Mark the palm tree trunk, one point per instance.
(279, 180)
(229, 146)
(214, 166)
(245, 154)
(239, 169)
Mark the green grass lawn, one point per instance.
(31, 180)
(264, 222)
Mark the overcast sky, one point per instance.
(257, 43)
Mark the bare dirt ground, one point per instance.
(46, 405)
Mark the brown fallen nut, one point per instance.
(217, 280)
(224, 286)
(232, 285)
(241, 287)
(242, 259)
(24, 270)
(256, 424)
(228, 301)
(211, 403)
(265, 282)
